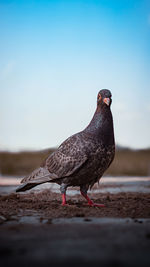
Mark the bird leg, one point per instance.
(63, 188)
(64, 202)
(83, 191)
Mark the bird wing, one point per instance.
(61, 165)
(39, 175)
(65, 161)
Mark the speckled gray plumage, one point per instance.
(82, 159)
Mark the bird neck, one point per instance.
(101, 125)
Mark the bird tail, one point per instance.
(27, 186)
(38, 176)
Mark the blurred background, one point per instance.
(55, 57)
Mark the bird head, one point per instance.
(104, 97)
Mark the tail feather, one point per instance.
(26, 186)
(37, 177)
(40, 173)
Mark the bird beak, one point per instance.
(106, 101)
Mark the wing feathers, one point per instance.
(66, 160)
(38, 174)
(62, 165)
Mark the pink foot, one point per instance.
(96, 204)
(90, 202)
(64, 203)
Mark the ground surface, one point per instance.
(36, 230)
(47, 205)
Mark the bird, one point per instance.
(81, 159)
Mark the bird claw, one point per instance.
(96, 205)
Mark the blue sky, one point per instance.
(54, 58)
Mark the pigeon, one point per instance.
(82, 158)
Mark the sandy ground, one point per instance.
(46, 205)
(36, 229)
